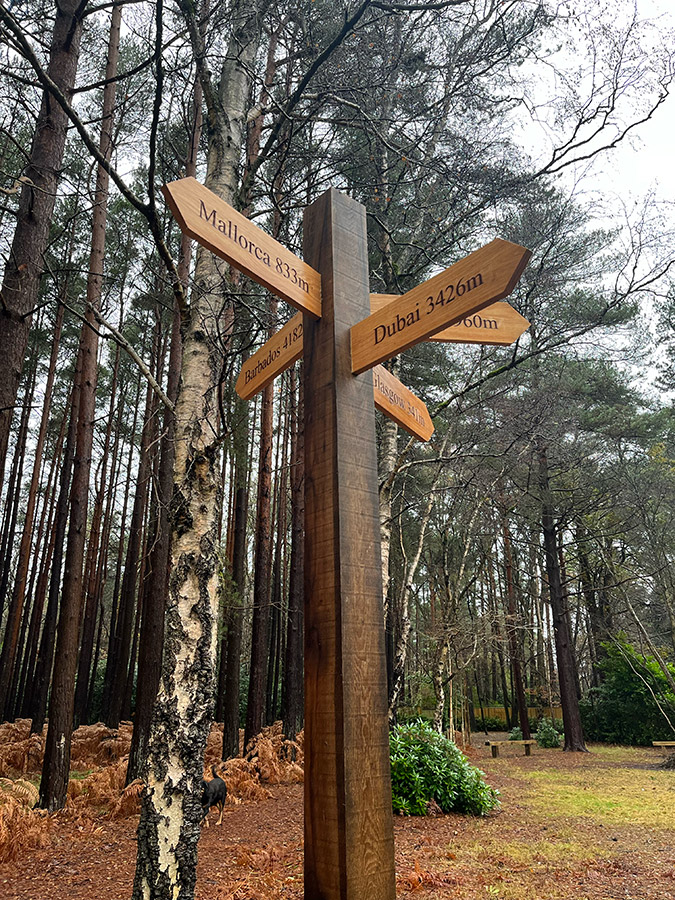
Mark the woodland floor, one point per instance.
(589, 826)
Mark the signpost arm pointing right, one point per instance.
(474, 282)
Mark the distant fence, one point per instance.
(490, 712)
(497, 712)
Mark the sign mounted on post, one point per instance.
(464, 288)
(399, 403)
(224, 231)
(349, 845)
(274, 357)
(498, 324)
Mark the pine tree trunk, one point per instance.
(56, 765)
(292, 697)
(234, 627)
(43, 668)
(574, 736)
(96, 547)
(512, 627)
(10, 643)
(127, 602)
(42, 565)
(25, 260)
(12, 504)
(255, 708)
(113, 643)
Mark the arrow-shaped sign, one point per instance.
(221, 229)
(275, 355)
(285, 347)
(400, 404)
(498, 324)
(460, 291)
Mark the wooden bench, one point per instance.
(663, 743)
(494, 746)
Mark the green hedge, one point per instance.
(624, 709)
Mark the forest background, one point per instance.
(527, 549)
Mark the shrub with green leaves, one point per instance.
(634, 702)
(547, 735)
(516, 733)
(426, 766)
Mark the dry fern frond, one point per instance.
(22, 829)
(21, 790)
(20, 751)
(242, 780)
(98, 745)
(129, 804)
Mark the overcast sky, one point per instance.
(648, 161)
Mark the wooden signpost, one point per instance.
(463, 289)
(498, 324)
(349, 847)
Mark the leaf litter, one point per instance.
(535, 848)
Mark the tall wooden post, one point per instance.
(349, 848)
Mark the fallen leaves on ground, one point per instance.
(531, 850)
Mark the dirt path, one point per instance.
(594, 826)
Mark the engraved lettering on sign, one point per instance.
(230, 230)
(444, 298)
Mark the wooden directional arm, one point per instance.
(463, 289)
(202, 215)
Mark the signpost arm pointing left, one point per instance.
(225, 232)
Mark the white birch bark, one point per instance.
(169, 827)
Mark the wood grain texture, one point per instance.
(400, 404)
(221, 229)
(481, 278)
(276, 355)
(349, 853)
(498, 324)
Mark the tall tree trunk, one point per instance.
(43, 668)
(12, 505)
(19, 292)
(513, 627)
(152, 634)
(9, 647)
(95, 547)
(292, 692)
(168, 829)
(122, 637)
(56, 765)
(235, 616)
(255, 708)
(42, 564)
(113, 644)
(574, 736)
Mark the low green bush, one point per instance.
(547, 735)
(426, 766)
(516, 734)
(492, 723)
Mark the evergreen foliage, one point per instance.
(634, 704)
(426, 766)
(547, 735)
